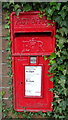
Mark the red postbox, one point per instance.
(32, 37)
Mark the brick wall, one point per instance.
(5, 69)
(0, 58)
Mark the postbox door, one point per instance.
(32, 84)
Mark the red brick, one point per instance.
(4, 43)
(4, 30)
(5, 69)
(7, 94)
(4, 56)
(0, 43)
(8, 103)
(5, 81)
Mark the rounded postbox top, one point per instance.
(31, 22)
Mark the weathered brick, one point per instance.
(6, 90)
(5, 81)
(0, 43)
(4, 56)
(0, 81)
(7, 102)
(0, 69)
(3, 17)
(5, 69)
(4, 43)
(4, 31)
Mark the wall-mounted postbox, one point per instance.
(32, 38)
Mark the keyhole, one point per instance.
(21, 82)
